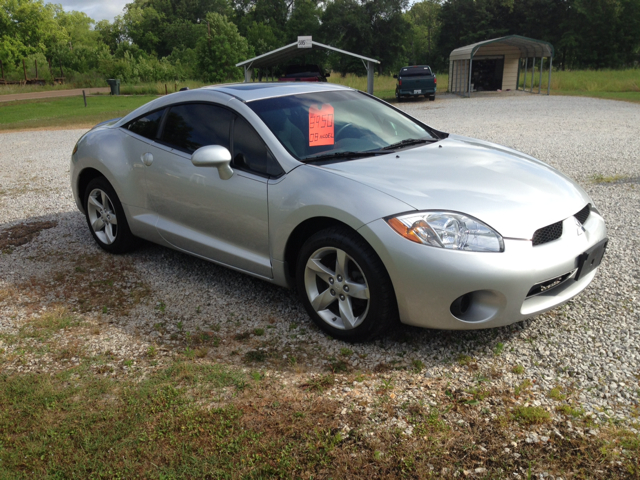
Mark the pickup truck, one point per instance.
(414, 81)
(303, 73)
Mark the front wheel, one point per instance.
(344, 286)
(106, 218)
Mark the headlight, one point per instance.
(447, 230)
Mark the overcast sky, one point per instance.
(99, 9)
(96, 9)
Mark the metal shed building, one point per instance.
(295, 49)
(497, 63)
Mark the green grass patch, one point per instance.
(599, 178)
(531, 415)
(518, 369)
(66, 112)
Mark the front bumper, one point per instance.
(427, 280)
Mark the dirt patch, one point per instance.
(22, 234)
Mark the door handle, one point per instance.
(147, 158)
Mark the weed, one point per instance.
(556, 394)
(292, 361)
(258, 332)
(161, 306)
(598, 178)
(242, 336)
(257, 376)
(346, 352)
(104, 310)
(189, 353)
(524, 385)
(570, 411)
(338, 366)
(152, 351)
(128, 363)
(253, 356)
(498, 349)
(318, 384)
(464, 360)
(531, 415)
(417, 365)
(518, 369)
(201, 352)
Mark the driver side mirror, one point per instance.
(214, 156)
(327, 75)
(395, 76)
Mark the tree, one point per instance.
(217, 55)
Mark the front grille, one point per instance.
(547, 285)
(583, 214)
(547, 234)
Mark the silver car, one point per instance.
(372, 215)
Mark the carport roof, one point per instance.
(287, 52)
(529, 47)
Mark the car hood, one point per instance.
(512, 192)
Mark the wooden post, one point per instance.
(175, 87)
(165, 89)
(84, 96)
(24, 68)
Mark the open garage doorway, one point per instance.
(487, 73)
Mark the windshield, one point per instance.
(324, 123)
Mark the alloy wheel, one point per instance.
(336, 288)
(102, 216)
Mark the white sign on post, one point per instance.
(305, 42)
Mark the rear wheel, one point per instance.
(106, 219)
(344, 286)
(432, 97)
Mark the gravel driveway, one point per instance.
(589, 349)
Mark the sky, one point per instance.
(96, 9)
(99, 9)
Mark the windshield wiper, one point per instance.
(410, 141)
(337, 155)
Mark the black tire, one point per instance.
(363, 267)
(119, 239)
(432, 97)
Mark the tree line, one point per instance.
(165, 40)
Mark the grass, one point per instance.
(191, 419)
(384, 86)
(608, 84)
(66, 112)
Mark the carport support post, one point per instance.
(549, 82)
(518, 77)
(526, 70)
(247, 73)
(540, 79)
(533, 74)
(370, 78)
(470, 67)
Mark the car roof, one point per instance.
(248, 92)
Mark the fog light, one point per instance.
(461, 305)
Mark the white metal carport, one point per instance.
(512, 49)
(295, 49)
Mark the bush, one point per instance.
(217, 57)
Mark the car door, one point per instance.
(198, 212)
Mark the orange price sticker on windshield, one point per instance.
(321, 126)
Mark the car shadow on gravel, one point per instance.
(204, 310)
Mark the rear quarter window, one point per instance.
(148, 125)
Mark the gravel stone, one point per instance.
(588, 349)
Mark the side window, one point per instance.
(250, 151)
(148, 125)
(191, 126)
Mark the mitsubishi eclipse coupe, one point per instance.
(372, 215)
